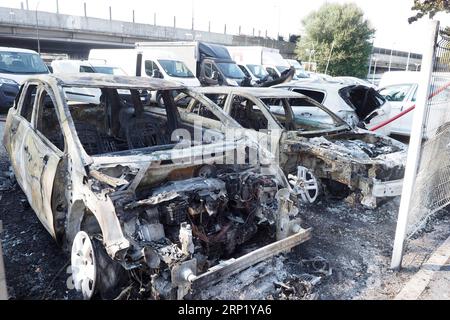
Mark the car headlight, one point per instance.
(7, 81)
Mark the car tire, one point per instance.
(94, 273)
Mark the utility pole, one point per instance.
(192, 14)
(407, 61)
(390, 58)
(374, 70)
(37, 28)
(57, 6)
(329, 57)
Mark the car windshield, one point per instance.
(281, 69)
(21, 62)
(110, 70)
(176, 69)
(231, 70)
(308, 116)
(258, 70)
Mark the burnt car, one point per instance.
(357, 104)
(317, 150)
(131, 197)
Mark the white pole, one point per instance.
(329, 57)
(414, 144)
(407, 62)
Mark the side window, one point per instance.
(248, 114)
(395, 93)
(199, 109)
(47, 121)
(245, 71)
(272, 73)
(150, 66)
(27, 106)
(86, 69)
(316, 95)
(218, 99)
(208, 70)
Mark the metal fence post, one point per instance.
(414, 148)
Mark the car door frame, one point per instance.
(274, 131)
(43, 164)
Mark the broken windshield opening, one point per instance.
(306, 115)
(113, 121)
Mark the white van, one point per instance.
(255, 56)
(400, 89)
(89, 95)
(148, 62)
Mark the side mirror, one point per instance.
(157, 74)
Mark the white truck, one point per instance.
(211, 63)
(260, 61)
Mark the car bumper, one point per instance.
(387, 189)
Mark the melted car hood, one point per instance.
(361, 146)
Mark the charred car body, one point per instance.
(316, 148)
(108, 182)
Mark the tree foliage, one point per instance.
(344, 26)
(430, 7)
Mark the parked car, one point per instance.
(16, 65)
(400, 89)
(134, 195)
(355, 104)
(254, 56)
(300, 72)
(354, 81)
(314, 146)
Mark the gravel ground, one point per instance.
(357, 244)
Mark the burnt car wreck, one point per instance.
(316, 149)
(111, 185)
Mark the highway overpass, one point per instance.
(76, 35)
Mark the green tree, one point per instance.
(430, 7)
(339, 33)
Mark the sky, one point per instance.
(388, 17)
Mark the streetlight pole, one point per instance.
(193, 11)
(329, 57)
(374, 70)
(390, 58)
(37, 29)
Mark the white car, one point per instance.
(355, 104)
(400, 89)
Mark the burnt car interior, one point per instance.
(364, 100)
(118, 124)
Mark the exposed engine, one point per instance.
(202, 219)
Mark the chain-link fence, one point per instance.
(432, 183)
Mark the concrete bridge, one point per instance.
(76, 35)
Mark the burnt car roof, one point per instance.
(256, 92)
(109, 81)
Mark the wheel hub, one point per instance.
(305, 184)
(83, 262)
